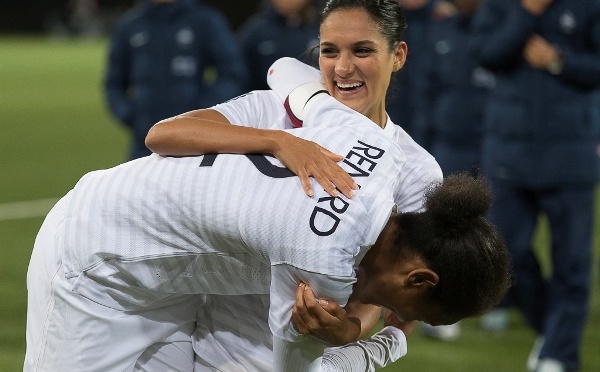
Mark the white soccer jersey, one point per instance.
(214, 345)
(264, 110)
(158, 227)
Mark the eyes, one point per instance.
(358, 51)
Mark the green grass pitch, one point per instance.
(54, 127)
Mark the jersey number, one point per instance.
(260, 162)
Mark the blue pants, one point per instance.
(556, 307)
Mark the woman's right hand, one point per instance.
(308, 159)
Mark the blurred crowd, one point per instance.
(507, 89)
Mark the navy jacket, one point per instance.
(456, 86)
(402, 100)
(159, 56)
(541, 130)
(266, 37)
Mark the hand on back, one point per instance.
(308, 159)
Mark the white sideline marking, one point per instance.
(26, 209)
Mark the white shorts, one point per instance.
(68, 332)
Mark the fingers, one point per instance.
(305, 182)
(333, 156)
(297, 318)
(308, 159)
(333, 180)
(311, 315)
(337, 176)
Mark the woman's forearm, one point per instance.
(207, 131)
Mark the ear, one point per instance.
(400, 55)
(421, 278)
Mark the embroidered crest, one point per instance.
(185, 37)
(567, 22)
(138, 39)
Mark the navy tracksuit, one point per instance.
(159, 55)
(539, 151)
(268, 36)
(456, 91)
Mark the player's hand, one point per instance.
(444, 9)
(308, 159)
(325, 320)
(536, 7)
(538, 52)
(389, 319)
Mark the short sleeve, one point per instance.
(260, 109)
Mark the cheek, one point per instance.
(376, 75)
(326, 65)
(327, 69)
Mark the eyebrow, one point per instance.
(357, 43)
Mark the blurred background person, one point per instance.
(456, 90)
(452, 105)
(282, 28)
(539, 152)
(402, 99)
(406, 100)
(168, 57)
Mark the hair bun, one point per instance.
(458, 199)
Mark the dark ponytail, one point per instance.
(459, 244)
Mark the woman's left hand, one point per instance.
(323, 319)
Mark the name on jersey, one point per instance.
(326, 216)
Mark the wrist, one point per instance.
(272, 140)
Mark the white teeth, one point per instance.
(349, 86)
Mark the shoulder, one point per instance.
(259, 109)
(419, 171)
(415, 153)
(131, 17)
(207, 15)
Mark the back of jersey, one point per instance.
(236, 212)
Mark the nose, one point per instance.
(344, 67)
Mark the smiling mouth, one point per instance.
(348, 87)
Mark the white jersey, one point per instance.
(214, 343)
(229, 225)
(264, 110)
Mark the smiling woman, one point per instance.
(360, 49)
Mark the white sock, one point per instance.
(287, 73)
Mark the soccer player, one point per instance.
(123, 262)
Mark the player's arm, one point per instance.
(207, 131)
(377, 351)
(383, 348)
(329, 322)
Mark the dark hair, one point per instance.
(457, 242)
(385, 13)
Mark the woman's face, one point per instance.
(399, 283)
(406, 301)
(356, 63)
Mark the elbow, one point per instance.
(153, 140)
